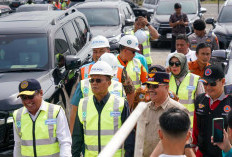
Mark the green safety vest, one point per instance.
(146, 48)
(115, 88)
(46, 142)
(133, 69)
(186, 91)
(110, 122)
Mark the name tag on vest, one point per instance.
(115, 93)
(115, 79)
(50, 121)
(190, 87)
(115, 114)
(136, 69)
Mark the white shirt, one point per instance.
(62, 133)
(191, 56)
(164, 155)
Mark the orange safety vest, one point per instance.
(58, 6)
(86, 69)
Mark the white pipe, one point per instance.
(123, 132)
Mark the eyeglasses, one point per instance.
(213, 84)
(176, 63)
(153, 86)
(93, 80)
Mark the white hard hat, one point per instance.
(101, 68)
(141, 36)
(112, 60)
(99, 42)
(130, 41)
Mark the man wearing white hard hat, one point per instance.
(152, 33)
(100, 116)
(128, 47)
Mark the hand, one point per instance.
(181, 22)
(143, 20)
(225, 145)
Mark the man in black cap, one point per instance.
(212, 104)
(40, 128)
(158, 86)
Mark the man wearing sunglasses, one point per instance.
(158, 89)
(136, 71)
(100, 116)
(212, 104)
(40, 128)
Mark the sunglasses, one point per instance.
(153, 86)
(211, 84)
(176, 63)
(25, 97)
(93, 80)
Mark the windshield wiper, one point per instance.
(22, 70)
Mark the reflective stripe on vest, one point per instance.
(110, 122)
(115, 88)
(146, 48)
(186, 91)
(46, 143)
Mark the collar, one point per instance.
(121, 62)
(42, 107)
(220, 98)
(163, 105)
(103, 101)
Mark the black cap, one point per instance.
(156, 68)
(213, 73)
(28, 87)
(157, 78)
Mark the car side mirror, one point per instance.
(129, 22)
(203, 10)
(219, 56)
(72, 62)
(210, 21)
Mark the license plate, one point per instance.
(168, 35)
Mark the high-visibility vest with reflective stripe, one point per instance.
(46, 142)
(146, 48)
(186, 91)
(115, 88)
(86, 69)
(57, 6)
(133, 69)
(110, 122)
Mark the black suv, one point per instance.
(223, 25)
(49, 46)
(108, 18)
(165, 8)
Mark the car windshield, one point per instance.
(23, 52)
(28, 9)
(225, 15)
(167, 7)
(97, 16)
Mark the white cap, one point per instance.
(141, 36)
(112, 60)
(101, 68)
(130, 41)
(99, 42)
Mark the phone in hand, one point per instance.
(228, 89)
(217, 129)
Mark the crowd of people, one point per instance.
(184, 97)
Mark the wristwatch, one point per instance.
(190, 146)
(148, 24)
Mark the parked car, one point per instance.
(150, 4)
(108, 18)
(165, 8)
(16, 3)
(5, 10)
(223, 25)
(47, 48)
(35, 7)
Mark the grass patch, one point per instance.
(212, 2)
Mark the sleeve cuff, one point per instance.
(227, 154)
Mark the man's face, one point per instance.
(157, 92)
(128, 54)
(204, 55)
(215, 91)
(178, 11)
(100, 85)
(199, 33)
(139, 24)
(97, 52)
(32, 103)
(182, 46)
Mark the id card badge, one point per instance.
(191, 87)
(115, 114)
(50, 121)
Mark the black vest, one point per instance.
(204, 123)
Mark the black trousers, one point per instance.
(173, 44)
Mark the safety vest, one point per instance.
(39, 135)
(57, 6)
(186, 91)
(104, 125)
(115, 88)
(86, 69)
(133, 69)
(146, 48)
(63, 5)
